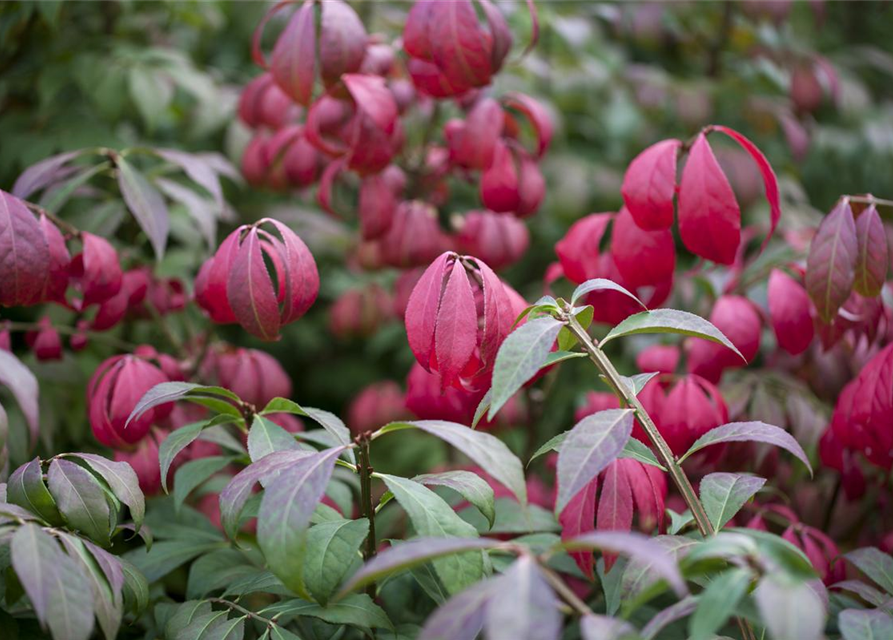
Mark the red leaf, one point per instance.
(499, 183)
(422, 308)
(96, 270)
(649, 487)
(499, 314)
(709, 217)
(789, 311)
(476, 142)
(578, 250)
(455, 336)
(579, 517)
(458, 46)
(293, 62)
(301, 284)
(324, 194)
(831, 265)
(376, 206)
(24, 254)
(342, 41)
(60, 259)
(537, 115)
(250, 290)
(500, 34)
(770, 182)
(642, 257)
(872, 259)
(374, 99)
(650, 183)
(416, 41)
(615, 505)
(531, 186)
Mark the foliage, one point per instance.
(213, 279)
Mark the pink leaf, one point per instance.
(872, 258)
(373, 98)
(500, 33)
(455, 336)
(499, 183)
(537, 115)
(416, 41)
(650, 183)
(709, 217)
(831, 265)
(422, 308)
(458, 46)
(789, 312)
(770, 182)
(24, 254)
(578, 250)
(293, 62)
(578, 517)
(342, 41)
(643, 258)
(476, 143)
(250, 290)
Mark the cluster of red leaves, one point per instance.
(330, 105)
(235, 285)
(37, 267)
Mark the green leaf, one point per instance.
(670, 321)
(81, 499)
(184, 616)
(487, 451)
(405, 555)
(122, 480)
(150, 92)
(357, 610)
(750, 432)
(637, 382)
(328, 421)
(590, 446)
(194, 473)
(602, 284)
(723, 494)
(857, 624)
(217, 570)
(136, 589)
(215, 625)
(173, 391)
(432, 517)
(26, 489)
(717, 603)
(265, 436)
(174, 443)
(875, 564)
(481, 410)
(332, 549)
(469, 485)
(145, 203)
(520, 356)
(555, 357)
(512, 518)
(57, 588)
(285, 511)
(108, 602)
(167, 555)
(791, 610)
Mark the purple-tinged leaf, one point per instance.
(122, 480)
(24, 254)
(671, 321)
(872, 253)
(602, 284)
(462, 616)
(859, 624)
(146, 205)
(723, 494)
(293, 62)
(171, 392)
(668, 616)
(265, 437)
(866, 592)
(790, 609)
(750, 432)
(487, 451)
(831, 264)
(80, 498)
(199, 208)
(41, 175)
(285, 512)
(588, 449)
(108, 602)
(198, 170)
(467, 484)
(597, 627)
(59, 592)
(636, 546)
(236, 493)
(410, 554)
(27, 489)
(520, 356)
(523, 605)
(875, 564)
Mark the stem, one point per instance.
(664, 453)
(564, 591)
(59, 222)
(832, 502)
(870, 200)
(70, 331)
(365, 469)
(235, 607)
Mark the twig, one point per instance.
(236, 607)
(365, 470)
(565, 592)
(56, 220)
(70, 331)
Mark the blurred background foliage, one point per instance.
(810, 82)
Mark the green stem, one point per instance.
(365, 470)
(664, 453)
